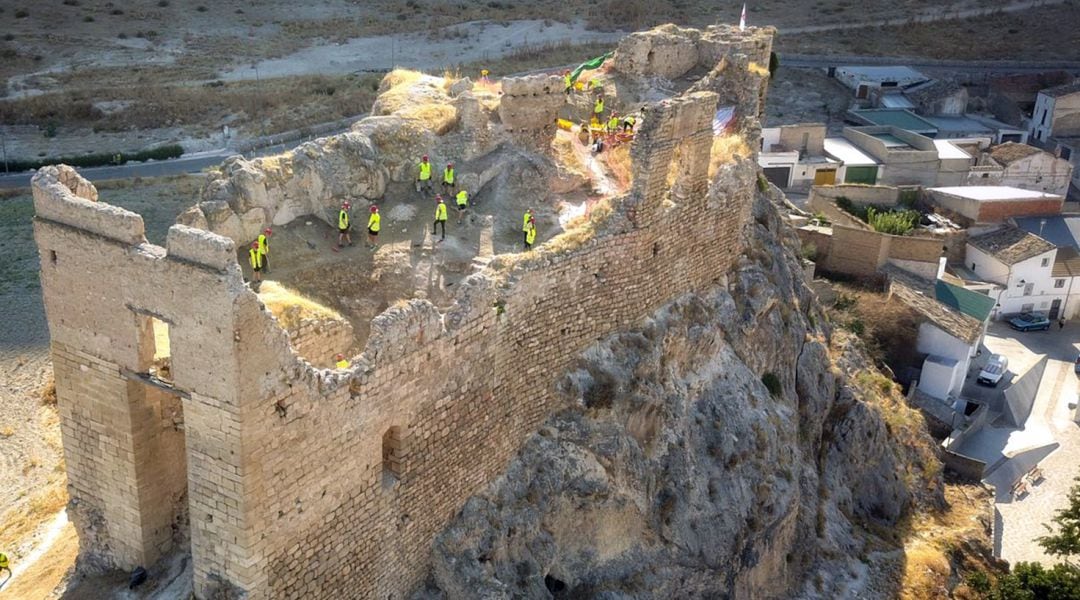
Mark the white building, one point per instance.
(954, 325)
(1021, 266)
(1057, 112)
(1064, 232)
(1030, 168)
(863, 79)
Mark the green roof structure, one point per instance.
(972, 304)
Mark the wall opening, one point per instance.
(393, 455)
(155, 348)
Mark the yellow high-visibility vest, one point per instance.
(425, 171)
(448, 175)
(525, 223)
(440, 212)
(530, 234)
(373, 222)
(613, 123)
(256, 258)
(568, 80)
(263, 247)
(343, 219)
(599, 108)
(342, 364)
(462, 198)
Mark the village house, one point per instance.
(1020, 267)
(988, 204)
(1064, 232)
(952, 327)
(864, 79)
(1055, 123)
(1022, 166)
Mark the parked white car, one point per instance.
(994, 370)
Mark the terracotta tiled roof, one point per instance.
(919, 294)
(1062, 90)
(1067, 263)
(1011, 152)
(1011, 245)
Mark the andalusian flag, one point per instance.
(588, 66)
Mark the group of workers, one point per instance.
(374, 225)
(259, 255)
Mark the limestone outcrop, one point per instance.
(717, 451)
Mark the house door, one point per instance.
(825, 177)
(778, 176)
(1055, 309)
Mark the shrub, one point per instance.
(772, 383)
(22, 13)
(98, 160)
(88, 19)
(895, 222)
(200, 8)
(163, 3)
(774, 64)
(856, 326)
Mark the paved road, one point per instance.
(988, 66)
(191, 163)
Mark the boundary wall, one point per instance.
(305, 482)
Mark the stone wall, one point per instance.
(867, 195)
(861, 252)
(304, 482)
(319, 340)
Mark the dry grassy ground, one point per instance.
(1043, 33)
(99, 69)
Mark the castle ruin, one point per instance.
(285, 480)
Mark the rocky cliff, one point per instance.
(734, 446)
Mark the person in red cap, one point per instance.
(448, 179)
(423, 180)
(343, 225)
(256, 262)
(374, 223)
(341, 362)
(264, 248)
(440, 216)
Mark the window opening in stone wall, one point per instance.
(52, 256)
(155, 354)
(393, 456)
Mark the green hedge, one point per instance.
(99, 160)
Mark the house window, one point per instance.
(393, 455)
(1026, 308)
(1066, 153)
(1059, 283)
(1043, 121)
(1046, 262)
(1028, 288)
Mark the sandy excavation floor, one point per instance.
(411, 262)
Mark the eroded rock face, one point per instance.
(667, 51)
(682, 469)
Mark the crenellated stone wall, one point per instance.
(307, 482)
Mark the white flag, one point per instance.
(742, 19)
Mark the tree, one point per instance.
(1066, 542)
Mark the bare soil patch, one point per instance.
(1041, 33)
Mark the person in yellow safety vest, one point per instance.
(525, 223)
(4, 565)
(256, 261)
(484, 76)
(462, 204)
(568, 81)
(423, 180)
(343, 225)
(374, 223)
(530, 233)
(264, 248)
(595, 83)
(613, 123)
(440, 216)
(628, 123)
(448, 179)
(598, 108)
(340, 362)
